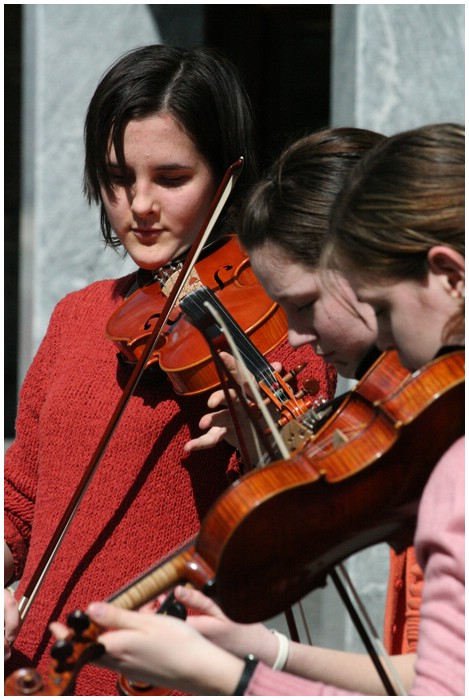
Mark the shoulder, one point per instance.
(442, 507)
(101, 295)
(447, 479)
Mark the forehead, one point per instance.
(160, 131)
(280, 274)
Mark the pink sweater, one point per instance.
(147, 496)
(439, 543)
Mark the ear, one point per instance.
(446, 261)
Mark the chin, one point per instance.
(147, 262)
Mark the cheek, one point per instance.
(330, 321)
(189, 209)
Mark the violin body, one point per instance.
(181, 351)
(383, 377)
(281, 529)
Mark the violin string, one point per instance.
(252, 357)
(321, 445)
(281, 446)
(252, 384)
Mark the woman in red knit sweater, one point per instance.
(162, 128)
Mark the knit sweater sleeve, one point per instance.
(403, 601)
(21, 459)
(266, 681)
(440, 550)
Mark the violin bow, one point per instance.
(223, 192)
(339, 574)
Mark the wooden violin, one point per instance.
(345, 491)
(224, 271)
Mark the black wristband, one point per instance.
(249, 668)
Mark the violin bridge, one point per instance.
(339, 438)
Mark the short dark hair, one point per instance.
(199, 87)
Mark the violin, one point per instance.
(225, 272)
(382, 377)
(338, 495)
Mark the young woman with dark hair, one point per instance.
(162, 128)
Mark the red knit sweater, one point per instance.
(147, 496)
(403, 602)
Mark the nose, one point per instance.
(144, 199)
(297, 338)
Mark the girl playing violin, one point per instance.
(398, 238)
(162, 127)
(284, 229)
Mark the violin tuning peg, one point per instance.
(78, 621)
(311, 386)
(177, 610)
(62, 651)
(25, 681)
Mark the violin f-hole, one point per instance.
(217, 277)
(170, 322)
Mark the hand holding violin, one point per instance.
(214, 625)
(218, 424)
(162, 650)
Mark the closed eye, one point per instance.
(304, 307)
(117, 177)
(167, 181)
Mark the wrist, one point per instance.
(216, 673)
(282, 652)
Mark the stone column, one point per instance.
(395, 67)
(66, 50)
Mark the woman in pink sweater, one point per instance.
(163, 126)
(398, 236)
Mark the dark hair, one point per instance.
(199, 87)
(291, 205)
(404, 197)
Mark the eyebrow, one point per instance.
(166, 166)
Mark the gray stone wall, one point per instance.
(66, 50)
(396, 67)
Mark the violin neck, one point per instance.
(184, 567)
(194, 307)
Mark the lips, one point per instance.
(146, 235)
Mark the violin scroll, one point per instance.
(25, 681)
(69, 655)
